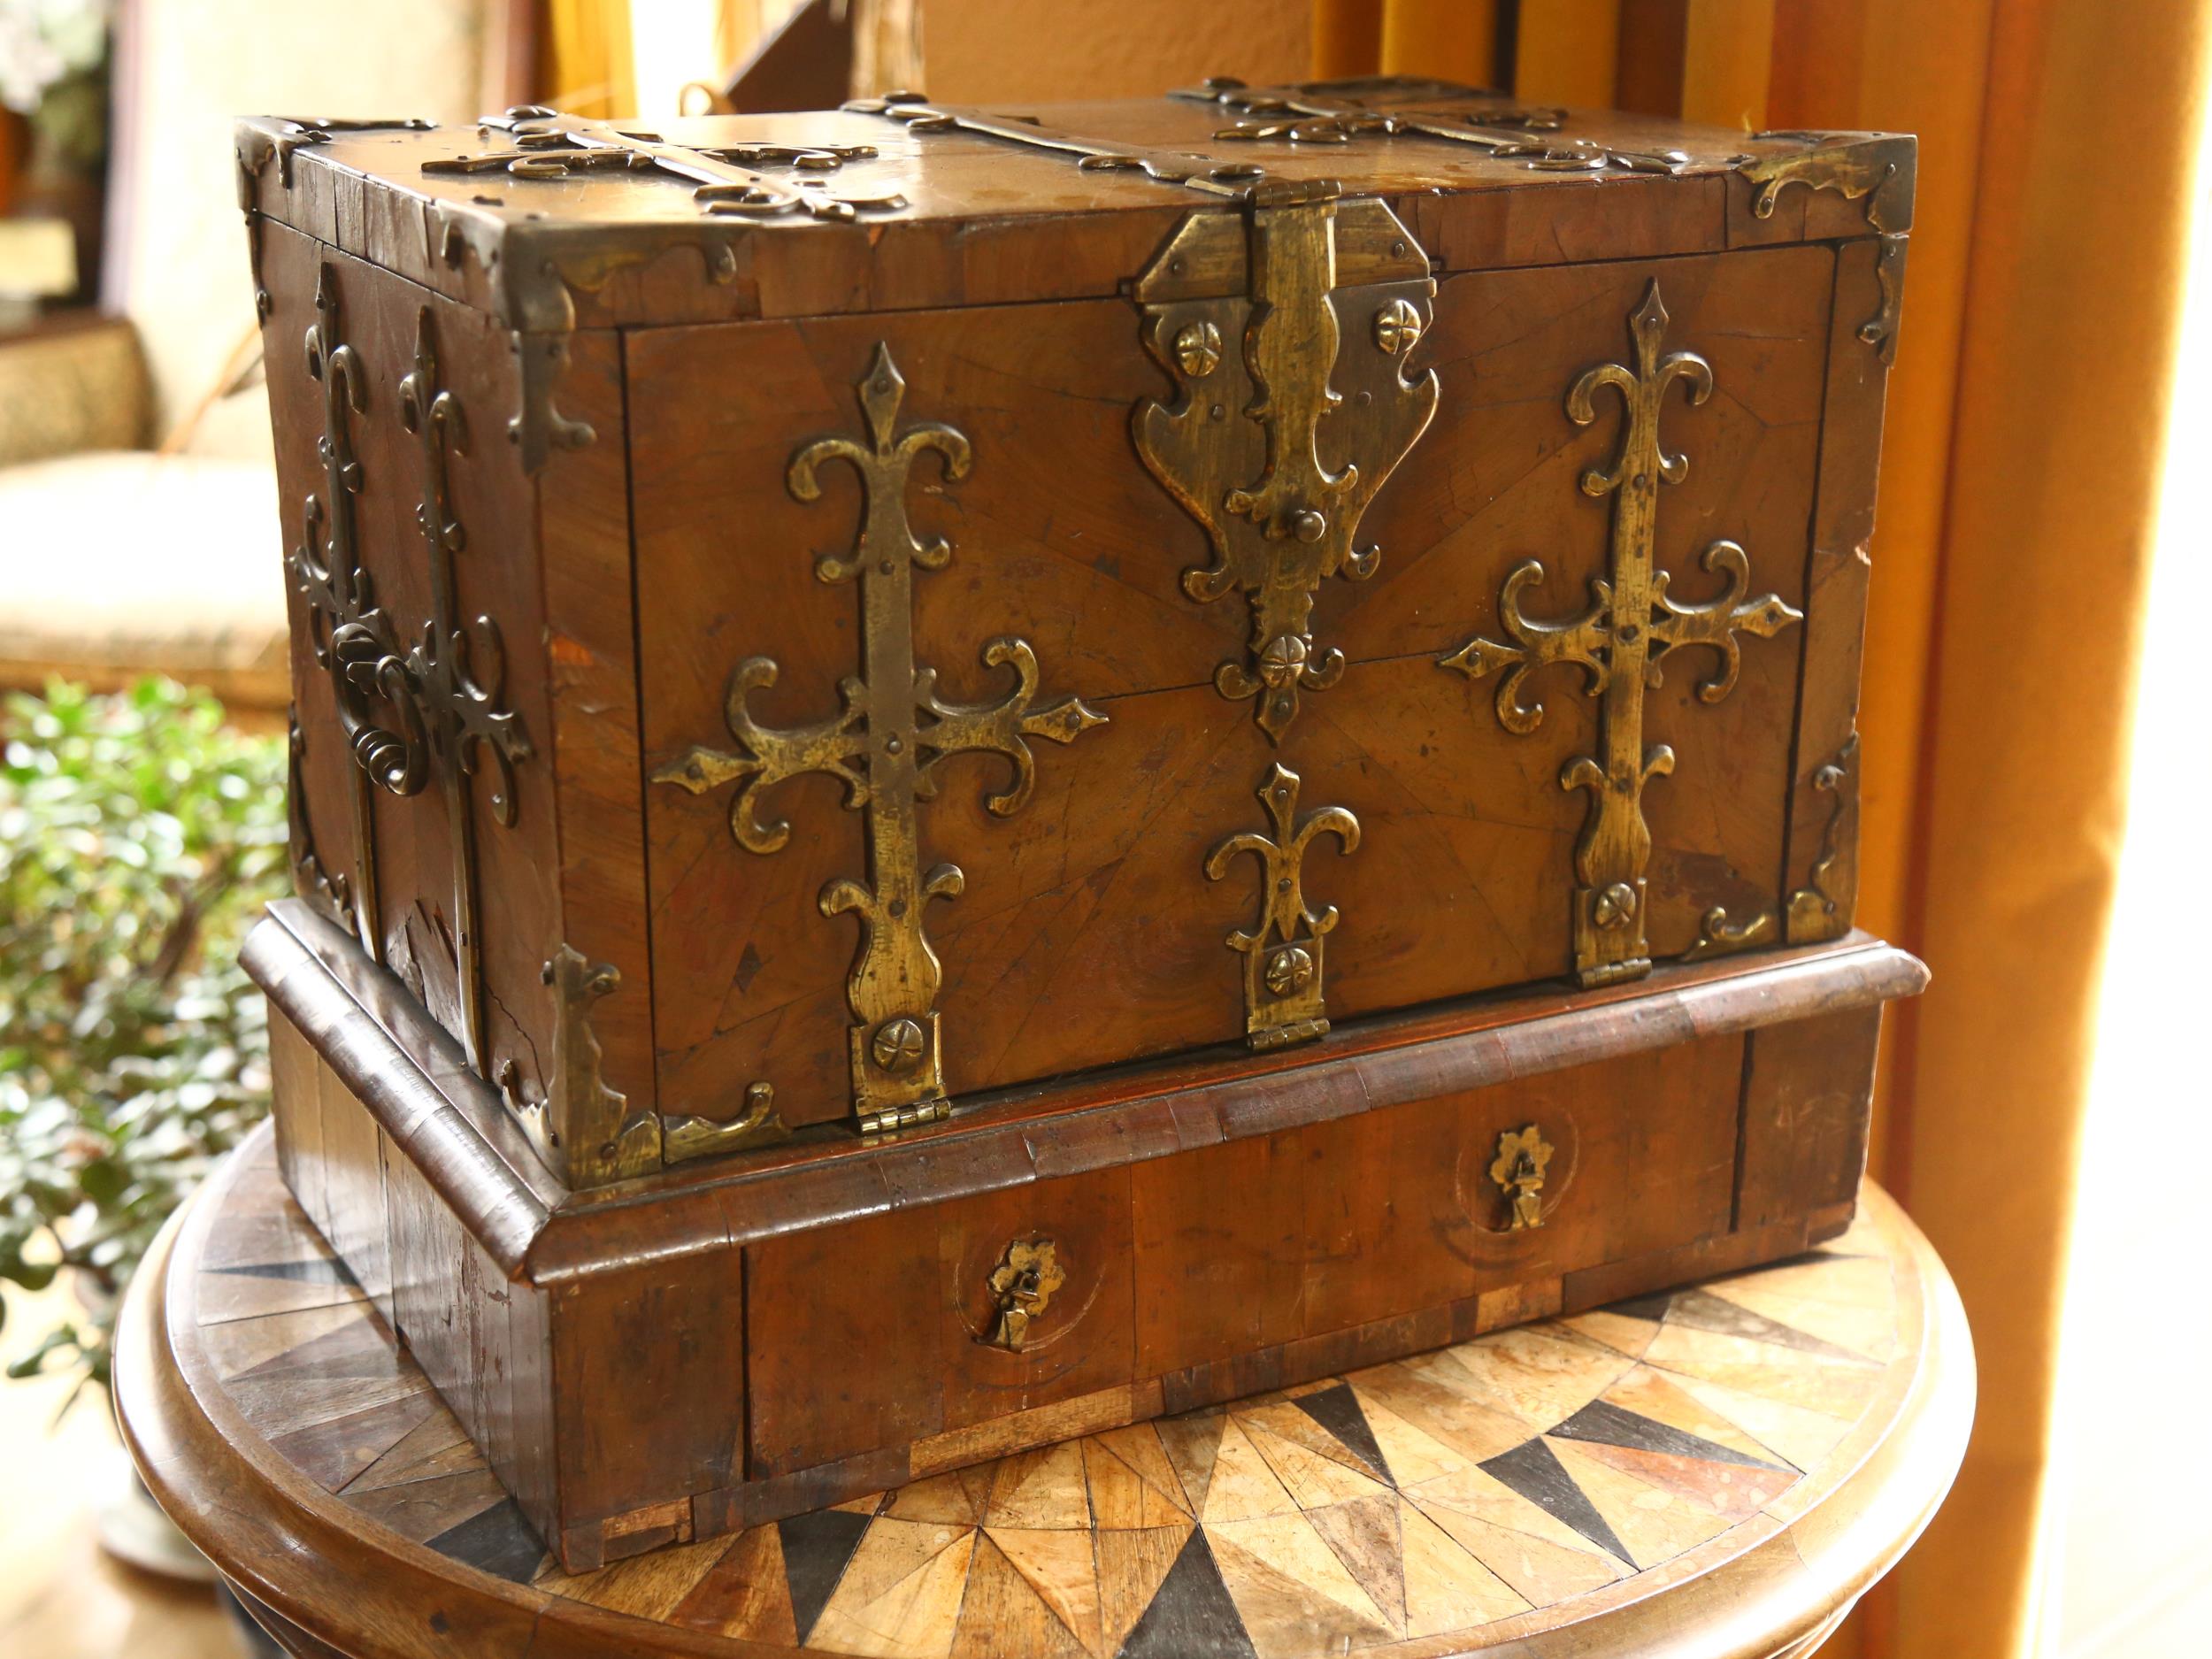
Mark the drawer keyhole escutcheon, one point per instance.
(1022, 1285)
(1518, 1170)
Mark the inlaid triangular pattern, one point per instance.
(497, 1542)
(815, 1549)
(1534, 1471)
(1060, 1565)
(1650, 1394)
(1653, 1523)
(1291, 1593)
(1703, 1310)
(900, 1594)
(1132, 1566)
(746, 1594)
(1448, 1587)
(1190, 1613)
(651, 1585)
(1419, 1499)
(1191, 1443)
(1337, 1409)
(1366, 1535)
(1605, 1423)
(337, 1450)
(1001, 1613)
(436, 1445)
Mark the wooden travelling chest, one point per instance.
(962, 776)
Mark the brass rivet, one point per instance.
(897, 1045)
(1198, 350)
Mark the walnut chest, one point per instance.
(962, 775)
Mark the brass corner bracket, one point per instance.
(1282, 951)
(587, 1130)
(1876, 167)
(1250, 317)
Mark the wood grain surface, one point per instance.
(1719, 1470)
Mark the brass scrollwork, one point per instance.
(885, 746)
(1282, 951)
(1619, 643)
(1023, 1285)
(1821, 910)
(546, 144)
(1717, 935)
(1524, 1154)
(436, 707)
(1386, 106)
(323, 887)
(1875, 167)
(1284, 520)
(1880, 330)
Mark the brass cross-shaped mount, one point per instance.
(885, 745)
(1620, 642)
(546, 144)
(1282, 951)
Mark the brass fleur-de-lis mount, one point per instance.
(1283, 987)
(891, 734)
(1619, 642)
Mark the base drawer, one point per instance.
(1258, 1243)
(899, 1327)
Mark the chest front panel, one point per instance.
(1086, 929)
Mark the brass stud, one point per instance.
(1397, 328)
(1289, 969)
(898, 1045)
(1198, 350)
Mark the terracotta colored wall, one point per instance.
(1017, 50)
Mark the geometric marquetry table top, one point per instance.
(1753, 1452)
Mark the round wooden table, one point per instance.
(1722, 1470)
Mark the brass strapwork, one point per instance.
(436, 707)
(1619, 643)
(885, 746)
(543, 143)
(1283, 988)
(1397, 107)
(1518, 1171)
(1241, 451)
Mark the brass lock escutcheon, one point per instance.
(1518, 1170)
(1022, 1285)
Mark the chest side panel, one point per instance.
(424, 793)
(1085, 929)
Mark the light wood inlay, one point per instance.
(1756, 1450)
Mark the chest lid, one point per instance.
(549, 222)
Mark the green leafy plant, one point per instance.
(139, 838)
